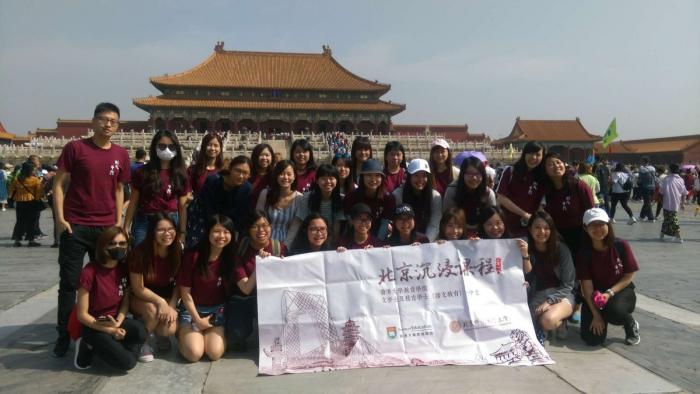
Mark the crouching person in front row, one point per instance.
(241, 308)
(102, 305)
(202, 292)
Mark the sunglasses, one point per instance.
(171, 147)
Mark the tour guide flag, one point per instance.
(460, 302)
(610, 134)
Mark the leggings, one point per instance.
(617, 311)
(117, 354)
(622, 199)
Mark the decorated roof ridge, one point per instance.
(4, 134)
(362, 84)
(520, 131)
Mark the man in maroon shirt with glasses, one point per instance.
(88, 195)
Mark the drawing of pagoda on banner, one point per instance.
(334, 350)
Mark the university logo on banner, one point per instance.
(461, 302)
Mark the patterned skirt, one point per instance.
(671, 226)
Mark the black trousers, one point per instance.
(27, 217)
(622, 198)
(646, 212)
(71, 253)
(618, 311)
(117, 354)
(240, 313)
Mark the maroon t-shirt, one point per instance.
(164, 201)
(348, 242)
(567, 205)
(605, 268)
(94, 174)
(305, 180)
(245, 264)
(442, 180)
(163, 281)
(206, 291)
(106, 286)
(523, 191)
(381, 208)
(544, 271)
(198, 182)
(392, 181)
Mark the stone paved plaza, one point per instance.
(668, 310)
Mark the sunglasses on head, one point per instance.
(171, 147)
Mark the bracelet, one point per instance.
(611, 292)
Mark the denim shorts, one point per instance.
(216, 315)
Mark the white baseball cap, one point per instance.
(441, 143)
(418, 165)
(595, 214)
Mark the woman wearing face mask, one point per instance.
(209, 161)
(302, 156)
(394, 165)
(521, 188)
(371, 192)
(161, 185)
(241, 307)
(102, 305)
(418, 192)
(226, 193)
(281, 202)
(153, 267)
(324, 198)
(470, 193)
(202, 289)
(263, 160)
(313, 236)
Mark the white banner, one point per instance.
(461, 302)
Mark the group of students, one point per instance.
(182, 260)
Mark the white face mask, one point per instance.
(166, 154)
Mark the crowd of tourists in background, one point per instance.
(173, 246)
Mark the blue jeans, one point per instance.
(139, 226)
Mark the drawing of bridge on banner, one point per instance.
(332, 351)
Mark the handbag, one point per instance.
(37, 203)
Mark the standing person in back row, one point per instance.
(647, 183)
(88, 194)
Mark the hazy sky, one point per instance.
(451, 62)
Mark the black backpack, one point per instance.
(628, 185)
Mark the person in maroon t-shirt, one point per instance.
(209, 161)
(521, 188)
(263, 161)
(470, 192)
(371, 192)
(161, 185)
(302, 155)
(88, 196)
(360, 236)
(153, 267)
(103, 302)
(405, 228)
(241, 307)
(606, 268)
(360, 152)
(552, 278)
(394, 165)
(201, 282)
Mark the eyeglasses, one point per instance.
(120, 244)
(104, 120)
(171, 147)
(320, 230)
(162, 231)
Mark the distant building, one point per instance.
(457, 133)
(567, 137)
(682, 149)
(269, 91)
(6, 138)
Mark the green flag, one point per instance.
(610, 134)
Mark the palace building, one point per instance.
(269, 91)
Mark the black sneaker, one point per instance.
(61, 347)
(83, 355)
(632, 334)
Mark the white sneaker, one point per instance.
(613, 221)
(146, 353)
(677, 240)
(632, 220)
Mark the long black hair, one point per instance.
(421, 201)
(394, 145)
(200, 164)
(463, 195)
(349, 182)
(143, 256)
(151, 170)
(316, 195)
(204, 247)
(273, 193)
(255, 156)
(520, 167)
(554, 240)
(569, 181)
(301, 244)
(305, 145)
(361, 142)
(487, 213)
